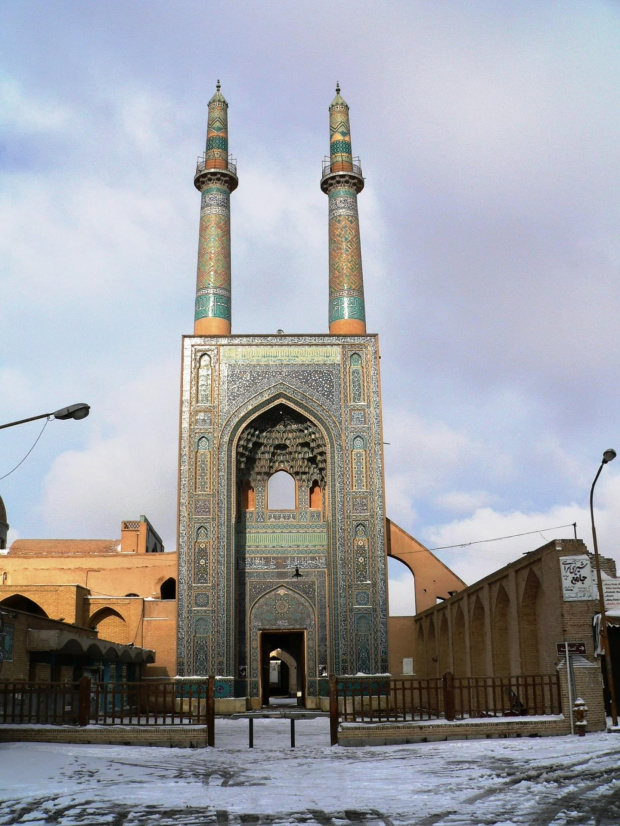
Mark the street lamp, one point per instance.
(608, 456)
(74, 411)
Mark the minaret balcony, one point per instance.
(216, 171)
(334, 172)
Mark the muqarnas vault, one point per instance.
(305, 582)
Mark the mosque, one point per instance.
(282, 541)
(280, 574)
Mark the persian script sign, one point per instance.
(611, 591)
(573, 648)
(278, 355)
(576, 578)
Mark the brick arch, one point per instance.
(420, 664)
(111, 625)
(501, 638)
(19, 602)
(168, 588)
(444, 644)
(431, 649)
(531, 609)
(477, 639)
(458, 644)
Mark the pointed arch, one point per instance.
(431, 650)
(111, 625)
(444, 644)
(315, 496)
(529, 626)
(420, 650)
(168, 589)
(501, 641)
(248, 496)
(477, 639)
(458, 637)
(21, 603)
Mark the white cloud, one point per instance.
(472, 562)
(422, 456)
(462, 501)
(130, 472)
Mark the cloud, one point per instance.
(474, 561)
(129, 471)
(461, 501)
(424, 455)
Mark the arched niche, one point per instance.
(281, 491)
(315, 496)
(168, 589)
(458, 643)
(280, 453)
(401, 588)
(110, 625)
(501, 639)
(21, 603)
(531, 610)
(477, 641)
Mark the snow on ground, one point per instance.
(553, 780)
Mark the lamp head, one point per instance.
(609, 455)
(74, 411)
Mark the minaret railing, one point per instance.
(356, 167)
(201, 164)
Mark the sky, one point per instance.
(489, 136)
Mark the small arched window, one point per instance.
(168, 589)
(281, 491)
(248, 497)
(316, 495)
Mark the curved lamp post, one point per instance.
(74, 411)
(608, 456)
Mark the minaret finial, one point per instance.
(216, 178)
(342, 181)
(218, 85)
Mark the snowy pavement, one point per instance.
(553, 780)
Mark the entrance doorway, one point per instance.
(283, 667)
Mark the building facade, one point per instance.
(309, 578)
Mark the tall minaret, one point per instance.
(216, 178)
(342, 180)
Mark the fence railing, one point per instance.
(41, 703)
(379, 699)
(157, 703)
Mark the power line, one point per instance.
(498, 538)
(29, 452)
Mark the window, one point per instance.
(281, 491)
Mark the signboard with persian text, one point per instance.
(576, 574)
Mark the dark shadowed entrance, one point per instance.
(283, 665)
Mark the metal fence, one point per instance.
(401, 699)
(156, 703)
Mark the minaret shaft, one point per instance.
(216, 178)
(342, 181)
